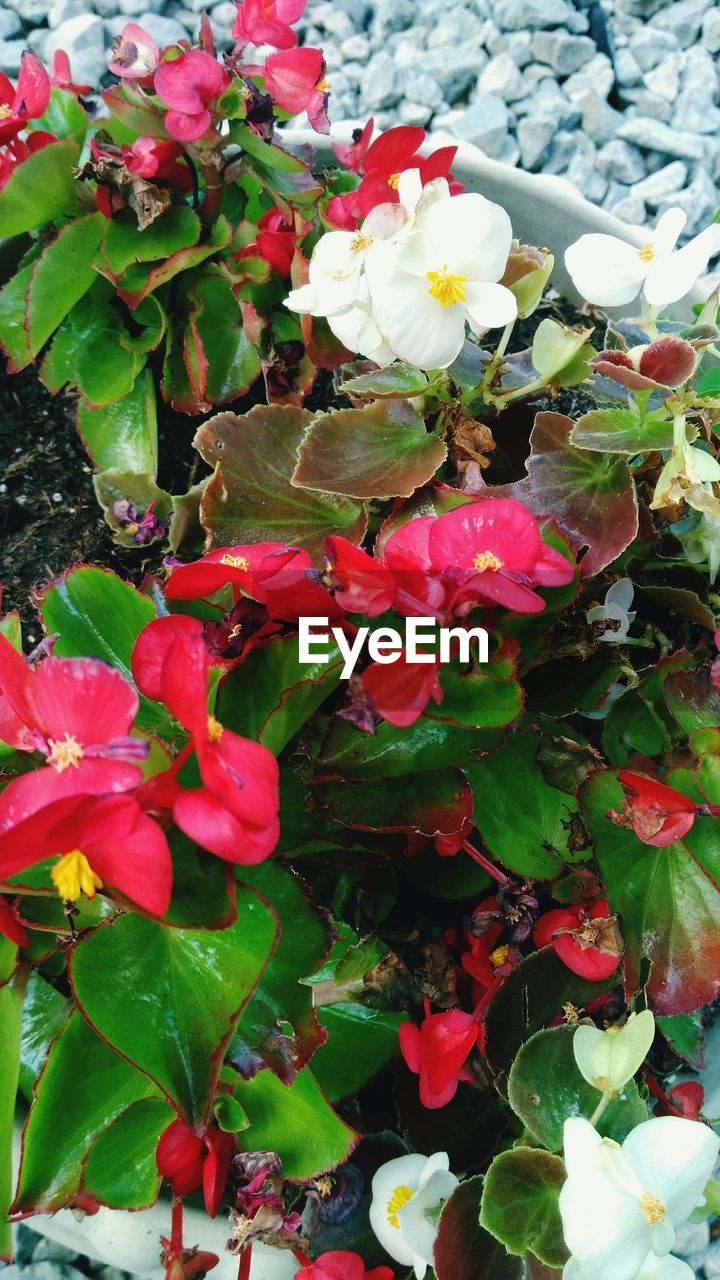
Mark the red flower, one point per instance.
(150, 158)
(10, 926)
(493, 551)
(586, 939)
(360, 584)
(267, 22)
(190, 86)
(99, 841)
(278, 576)
(353, 156)
(190, 1160)
(19, 149)
(28, 101)
(401, 691)
(61, 76)
(484, 958)
(135, 55)
(78, 713)
(295, 80)
(437, 1051)
(389, 156)
(658, 814)
(275, 242)
(339, 1264)
(234, 813)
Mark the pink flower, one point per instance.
(353, 155)
(267, 22)
(78, 712)
(61, 76)
(27, 101)
(149, 158)
(437, 1051)
(339, 1264)
(135, 55)
(295, 81)
(190, 86)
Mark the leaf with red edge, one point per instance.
(591, 495)
(431, 804)
(379, 451)
(139, 280)
(393, 752)
(296, 1121)
(133, 108)
(463, 1250)
(279, 1027)
(669, 903)
(168, 999)
(692, 699)
(251, 498)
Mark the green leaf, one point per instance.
(692, 699)
(89, 1086)
(194, 985)
(97, 615)
(139, 281)
(531, 996)
(10, 1027)
(123, 436)
(395, 380)
(269, 153)
(279, 1027)
(520, 1203)
(65, 117)
(216, 340)
(271, 695)
(120, 1169)
(39, 190)
(296, 1121)
(380, 451)
(124, 244)
(361, 1041)
(545, 1087)
(668, 901)
(686, 1034)
(393, 752)
(45, 1012)
(250, 496)
(91, 350)
(60, 277)
(430, 804)
(621, 431)
(13, 314)
(526, 825)
(203, 894)
(555, 347)
(463, 1250)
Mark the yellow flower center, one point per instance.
(499, 956)
(360, 241)
(652, 1208)
(571, 1014)
(65, 752)
(394, 181)
(214, 729)
(235, 562)
(324, 86)
(399, 1197)
(73, 875)
(486, 562)
(647, 253)
(5, 110)
(447, 288)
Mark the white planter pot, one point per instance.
(544, 210)
(131, 1241)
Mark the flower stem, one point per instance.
(679, 439)
(601, 1107)
(245, 1263)
(494, 872)
(176, 1230)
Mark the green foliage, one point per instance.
(520, 1203)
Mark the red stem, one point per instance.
(494, 872)
(176, 1231)
(244, 1263)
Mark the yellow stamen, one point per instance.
(447, 288)
(73, 875)
(324, 86)
(399, 1197)
(486, 562)
(571, 1014)
(214, 729)
(652, 1208)
(5, 110)
(235, 562)
(65, 752)
(499, 956)
(360, 241)
(647, 253)
(394, 181)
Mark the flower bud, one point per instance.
(608, 1059)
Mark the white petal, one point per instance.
(611, 613)
(673, 1159)
(673, 275)
(489, 306)
(471, 234)
(418, 1218)
(414, 323)
(581, 1145)
(409, 190)
(385, 221)
(357, 331)
(667, 231)
(439, 1162)
(667, 1268)
(334, 256)
(304, 300)
(604, 1228)
(620, 593)
(605, 270)
(405, 1171)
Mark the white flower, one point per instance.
(620, 1205)
(616, 608)
(703, 543)
(608, 1059)
(407, 1195)
(443, 273)
(610, 272)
